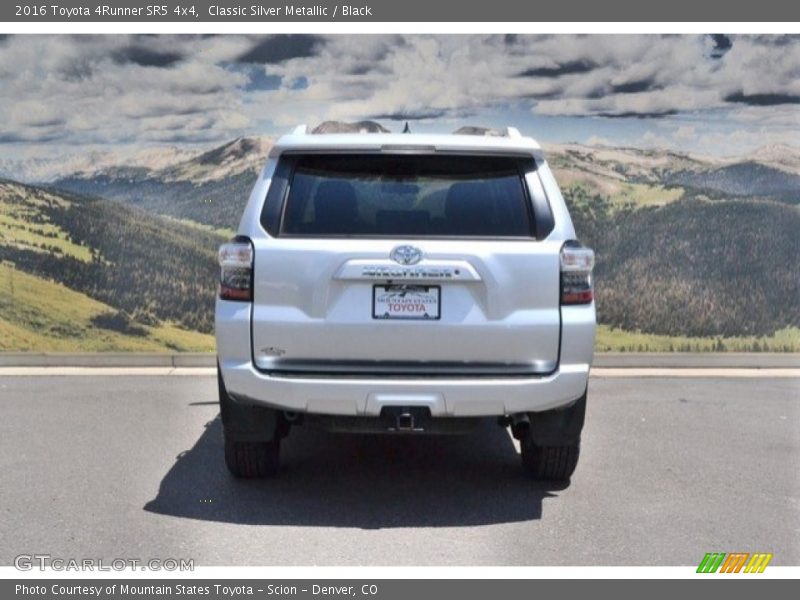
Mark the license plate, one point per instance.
(406, 301)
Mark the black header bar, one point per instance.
(464, 11)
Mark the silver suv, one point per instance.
(405, 283)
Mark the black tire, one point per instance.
(252, 436)
(549, 463)
(252, 459)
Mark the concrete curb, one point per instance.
(617, 360)
(698, 360)
(106, 359)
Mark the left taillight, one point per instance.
(236, 270)
(577, 263)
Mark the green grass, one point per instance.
(618, 188)
(643, 194)
(44, 316)
(225, 232)
(19, 212)
(617, 340)
(621, 194)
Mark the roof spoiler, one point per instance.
(509, 132)
(373, 127)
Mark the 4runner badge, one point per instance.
(406, 255)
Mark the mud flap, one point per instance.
(560, 427)
(244, 422)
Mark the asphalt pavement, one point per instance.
(130, 466)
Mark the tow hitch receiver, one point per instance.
(405, 419)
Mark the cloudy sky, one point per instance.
(712, 94)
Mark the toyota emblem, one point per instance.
(406, 255)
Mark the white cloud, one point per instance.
(596, 140)
(131, 89)
(114, 89)
(684, 133)
(653, 140)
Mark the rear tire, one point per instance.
(252, 436)
(551, 441)
(549, 463)
(252, 459)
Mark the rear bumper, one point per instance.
(461, 396)
(457, 397)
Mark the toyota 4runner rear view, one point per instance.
(407, 284)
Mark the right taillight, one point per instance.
(236, 270)
(577, 263)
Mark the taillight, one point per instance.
(236, 270)
(577, 263)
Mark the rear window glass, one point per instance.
(407, 195)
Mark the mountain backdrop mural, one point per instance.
(693, 253)
(125, 160)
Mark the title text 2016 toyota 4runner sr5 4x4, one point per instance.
(405, 283)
